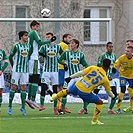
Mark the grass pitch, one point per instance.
(46, 122)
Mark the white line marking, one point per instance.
(67, 117)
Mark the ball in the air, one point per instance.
(45, 13)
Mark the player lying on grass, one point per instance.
(93, 76)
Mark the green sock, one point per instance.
(29, 90)
(112, 104)
(42, 100)
(64, 99)
(33, 92)
(11, 96)
(23, 97)
(85, 105)
(0, 101)
(55, 103)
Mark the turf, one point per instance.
(46, 122)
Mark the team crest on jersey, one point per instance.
(51, 54)
(74, 61)
(24, 53)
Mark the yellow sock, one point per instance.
(97, 111)
(62, 93)
(59, 103)
(130, 91)
(120, 98)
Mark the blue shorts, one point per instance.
(89, 98)
(61, 77)
(123, 82)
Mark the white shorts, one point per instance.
(113, 82)
(34, 66)
(73, 81)
(2, 83)
(22, 78)
(48, 77)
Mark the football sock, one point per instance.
(42, 100)
(130, 91)
(112, 103)
(85, 105)
(55, 103)
(120, 98)
(29, 90)
(0, 101)
(34, 91)
(64, 99)
(59, 103)
(23, 97)
(11, 96)
(97, 111)
(50, 92)
(61, 93)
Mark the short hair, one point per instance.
(109, 43)
(21, 33)
(50, 33)
(129, 40)
(65, 36)
(106, 63)
(75, 41)
(34, 22)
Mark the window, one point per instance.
(87, 26)
(21, 12)
(96, 32)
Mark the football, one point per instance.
(45, 13)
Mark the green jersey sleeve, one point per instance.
(4, 55)
(99, 63)
(38, 40)
(62, 57)
(12, 53)
(83, 61)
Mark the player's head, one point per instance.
(49, 35)
(23, 35)
(106, 64)
(109, 47)
(129, 43)
(66, 38)
(74, 44)
(129, 51)
(34, 25)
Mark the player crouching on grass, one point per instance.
(93, 76)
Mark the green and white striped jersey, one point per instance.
(20, 52)
(35, 42)
(51, 57)
(112, 57)
(3, 57)
(73, 60)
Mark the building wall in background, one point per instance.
(119, 10)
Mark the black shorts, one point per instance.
(34, 78)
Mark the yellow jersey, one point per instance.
(64, 47)
(125, 66)
(93, 77)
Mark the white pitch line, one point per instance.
(69, 117)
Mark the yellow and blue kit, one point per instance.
(93, 77)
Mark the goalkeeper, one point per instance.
(93, 76)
